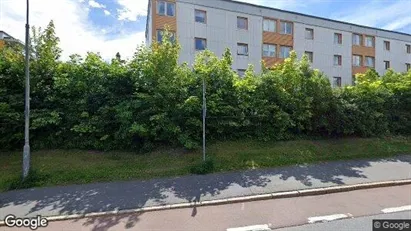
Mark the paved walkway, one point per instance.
(77, 199)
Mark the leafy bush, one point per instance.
(34, 179)
(87, 103)
(203, 167)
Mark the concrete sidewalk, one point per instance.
(101, 197)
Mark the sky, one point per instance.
(111, 26)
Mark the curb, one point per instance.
(277, 195)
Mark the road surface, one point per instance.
(110, 196)
(354, 224)
(352, 207)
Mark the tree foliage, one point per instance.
(87, 103)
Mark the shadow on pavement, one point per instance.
(106, 222)
(78, 199)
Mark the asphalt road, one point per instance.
(110, 196)
(263, 215)
(354, 224)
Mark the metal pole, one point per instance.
(204, 119)
(26, 150)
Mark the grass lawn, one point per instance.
(62, 167)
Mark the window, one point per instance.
(200, 16)
(310, 55)
(242, 49)
(369, 61)
(242, 23)
(166, 8)
(285, 52)
(241, 72)
(160, 34)
(408, 48)
(269, 25)
(309, 33)
(369, 41)
(356, 39)
(200, 44)
(407, 66)
(337, 38)
(269, 50)
(336, 81)
(356, 60)
(387, 64)
(286, 27)
(161, 7)
(337, 60)
(386, 45)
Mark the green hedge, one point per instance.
(134, 105)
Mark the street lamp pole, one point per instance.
(26, 150)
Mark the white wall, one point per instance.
(298, 17)
(397, 55)
(221, 32)
(324, 49)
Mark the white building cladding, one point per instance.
(220, 31)
(239, 26)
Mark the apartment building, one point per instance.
(254, 33)
(6, 38)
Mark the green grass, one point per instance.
(62, 167)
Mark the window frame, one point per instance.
(366, 41)
(311, 30)
(275, 25)
(359, 59)
(269, 45)
(243, 45)
(385, 64)
(285, 27)
(281, 52)
(408, 48)
(339, 81)
(339, 38)
(161, 30)
(201, 11)
(158, 32)
(360, 39)
(241, 70)
(246, 23)
(195, 43)
(159, 3)
(339, 60)
(310, 55)
(166, 3)
(387, 45)
(373, 61)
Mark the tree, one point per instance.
(118, 58)
(45, 113)
(88, 103)
(11, 97)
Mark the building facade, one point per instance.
(7, 39)
(2, 41)
(254, 33)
